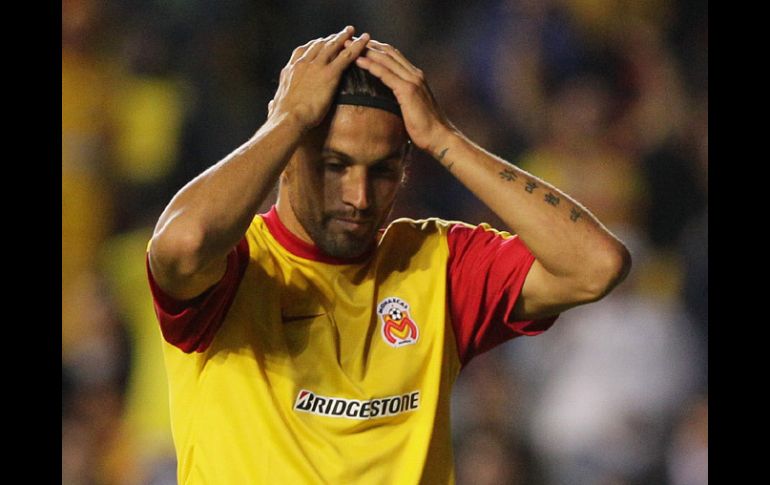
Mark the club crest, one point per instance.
(398, 328)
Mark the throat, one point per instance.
(290, 221)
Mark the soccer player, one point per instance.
(311, 345)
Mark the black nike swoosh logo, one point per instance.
(294, 318)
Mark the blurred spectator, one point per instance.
(96, 369)
(662, 126)
(654, 101)
(489, 424)
(492, 456)
(488, 394)
(576, 155)
(151, 102)
(605, 21)
(227, 100)
(86, 203)
(146, 450)
(607, 382)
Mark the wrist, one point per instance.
(288, 121)
(444, 142)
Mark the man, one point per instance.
(306, 345)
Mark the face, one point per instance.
(342, 180)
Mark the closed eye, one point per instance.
(335, 165)
(388, 170)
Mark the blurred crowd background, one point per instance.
(607, 99)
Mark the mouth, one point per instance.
(354, 225)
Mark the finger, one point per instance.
(395, 53)
(387, 60)
(312, 51)
(333, 46)
(351, 52)
(387, 50)
(297, 53)
(395, 82)
(351, 40)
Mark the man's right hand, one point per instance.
(208, 217)
(308, 82)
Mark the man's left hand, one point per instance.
(424, 120)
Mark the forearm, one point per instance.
(208, 217)
(210, 214)
(567, 240)
(577, 259)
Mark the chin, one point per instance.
(345, 247)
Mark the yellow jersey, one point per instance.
(302, 368)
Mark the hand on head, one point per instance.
(424, 120)
(308, 81)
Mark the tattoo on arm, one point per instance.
(508, 174)
(440, 158)
(530, 186)
(575, 214)
(551, 199)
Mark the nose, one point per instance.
(355, 188)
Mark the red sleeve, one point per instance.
(485, 275)
(192, 324)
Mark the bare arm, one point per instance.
(210, 214)
(577, 259)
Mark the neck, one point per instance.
(288, 218)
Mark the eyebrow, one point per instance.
(347, 158)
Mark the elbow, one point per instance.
(177, 251)
(610, 269)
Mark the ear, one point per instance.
(404, 174)
(286, 173)
(406, 160)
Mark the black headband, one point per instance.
(370, 101)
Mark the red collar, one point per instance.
(292, 243)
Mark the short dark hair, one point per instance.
(360, 82)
